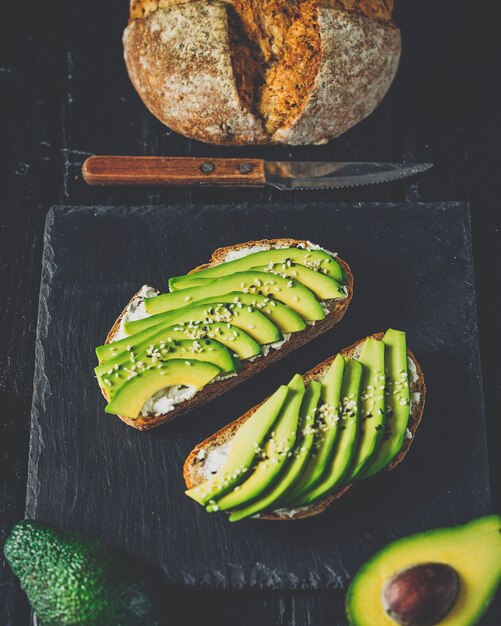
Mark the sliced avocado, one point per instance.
(284, 318)
(243, 450)
(372, 405)
(189, 315)
(473, 551)
(398, 405)
(131, 396)
(290, 292)
(324, 287)
(276, 450)
(142, 358)
(233, 338)
(326, 427)
(339, 465)
(249, 319)
(315, 259)
(296, 463)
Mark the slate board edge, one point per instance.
(477, 360)
(69, 208)
(39, 378)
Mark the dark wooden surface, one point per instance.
(64, 95)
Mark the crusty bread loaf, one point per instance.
(337, 309)
(194, 464)
(261, 71)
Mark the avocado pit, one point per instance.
(421, 595)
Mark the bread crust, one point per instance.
(337, 310)
(193, 89)
(192, 465)
(190, 88)
(359, 61)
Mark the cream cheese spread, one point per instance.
(166, 399)
(233, 255)
(214, 459)
(135, 310)
(275, 346)
(411, 366)
(415, 397)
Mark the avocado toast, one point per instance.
(218, 325)
(356, 415)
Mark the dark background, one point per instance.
(64, 94)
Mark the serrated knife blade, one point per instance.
(314, 175)
(284, 175)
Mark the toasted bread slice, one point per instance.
(193, 470)
(336, 308)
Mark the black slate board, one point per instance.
(90, 472)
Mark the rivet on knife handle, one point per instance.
(173, 171)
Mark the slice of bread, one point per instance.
(194, 473)
(337, 309)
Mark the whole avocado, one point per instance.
(74, 580)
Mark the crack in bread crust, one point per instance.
(272, 60)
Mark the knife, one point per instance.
(191, 171)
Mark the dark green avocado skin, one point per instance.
(73, 580)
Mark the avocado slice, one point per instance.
(141, 358)
(244, 445)
(315, 259)
(339, 465)
(324, 287)
(290, 292)
(134, 392)
(296, 463)
(189, 315)
(398, 405)
(276, 450)
(248, 318)
(284, 318)
(326, 427)
(372, 411)
(473, 551)
(240, 343)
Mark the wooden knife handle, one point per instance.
(173, 171)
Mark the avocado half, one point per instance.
(473, 551)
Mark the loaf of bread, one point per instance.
(261, 71)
